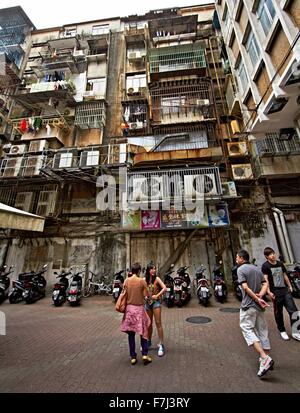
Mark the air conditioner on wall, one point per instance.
(199, 184)
(38, 146)
(12, 167)
(17, 149)
(237, 149)
(242, 172)
(134, 55)
(33, 166)
(229, 189)
(147, 188)
(90, 158)
(202, 102)
(46, 203)
(133, 90)
(24, 201)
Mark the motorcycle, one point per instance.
(182, 287)
(169, 295)
(36, 288)
(203, 290)
(294, 277)
(238, 291)
(220, 287)
(118, 284)
(19, 286)
(75, 289)
(4, 283)
(59, 294)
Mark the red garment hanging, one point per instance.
(23, 126)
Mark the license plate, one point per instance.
(177, 288)
(116, 290)
(220, 293)
(203, 289)
(72, 299)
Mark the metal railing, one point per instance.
(272, 145)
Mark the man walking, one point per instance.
(280, 289)
(252, 317)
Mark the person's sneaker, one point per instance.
(161, 350)
(147, 360)
(296, 336)
(271, 368)
(265, 365)
(133, 361)
(284, 336)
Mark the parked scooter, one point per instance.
(182, 287)
(75, 289)
(294, 277)
(36, 288)
(59, 294)
(220, 287)
(4, 283)
(203, 290)
(19, 286)
(238, 291)
(118, 284)
(169, 296)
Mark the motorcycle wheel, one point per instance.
(13, 299)
(205, 302)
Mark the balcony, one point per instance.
(273, 145)
(175, 29)
(9, 72)
(176, 60)
(90, 115)
(72, 62)
(233, 103)
(182, 102)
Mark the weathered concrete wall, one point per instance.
(294, 233)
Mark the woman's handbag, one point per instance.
(122, 301)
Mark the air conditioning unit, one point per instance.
(24, 201)
(147, 188)
(235, 126)
(12, 167)
(65, 159)
(46, 203)
(202, 102)
(117, 154)
(237, 149)
(134, 55)
(198, 184)
(90, 158)
(78, 53)
(229, 189)
(38, 146)
(133, 90)
(33, 166)
(17, 149)
(242, 172)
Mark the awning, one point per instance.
(12, 218)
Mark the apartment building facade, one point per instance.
(262, 41)
(139, 100)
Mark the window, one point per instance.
(92, 158)
(100, 29)
(252, 48)
(172, 105)
(97, 85)
(225, 16)
(242, 76)
(65, 160)
(266, 13)
(135, 82)
(70, 32)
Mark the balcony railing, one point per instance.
(182, 57)
(272, 145)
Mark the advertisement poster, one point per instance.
(150, 220)
(198, 218)
(218, 215)
(173, 219)
(131, 220)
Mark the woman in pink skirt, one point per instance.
(136, 320)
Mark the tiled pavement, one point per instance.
(81, 350)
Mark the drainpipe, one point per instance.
(281, 236)
(285, 234)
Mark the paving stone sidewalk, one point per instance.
(81, 350)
